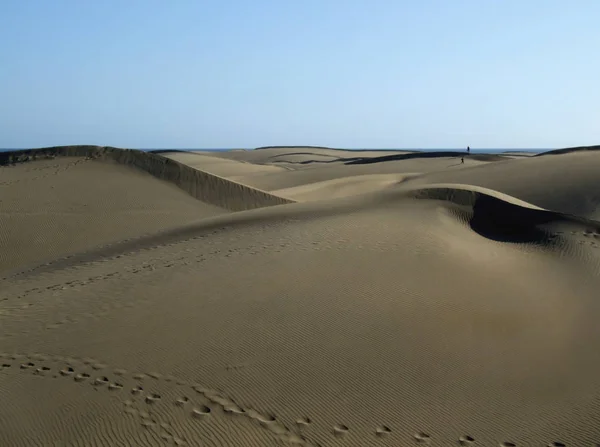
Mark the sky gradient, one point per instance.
(339, 73)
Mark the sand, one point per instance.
(299, 296)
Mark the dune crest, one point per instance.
(204, 186)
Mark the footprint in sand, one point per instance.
(340, 430)
(101, 380)
(182, 401)
(466, 440)
(136, 390)
(201, 412)
(115, 386)
(303, 422)
(81, 377)
(382, 431)
(68, 371)
(41, 370)
(422, 437)
(152, 398)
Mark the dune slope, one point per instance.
(567, 182)
(51, 208)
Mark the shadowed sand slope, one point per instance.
(567, 182)
(200, 184)
(438, 315)
(224, 167)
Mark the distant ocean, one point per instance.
(473, 150)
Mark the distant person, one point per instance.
(462, 160)
(468, 150)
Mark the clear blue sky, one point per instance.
(342, 73)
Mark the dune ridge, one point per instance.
(568, 150)
(504, 218)
(204, 186)
(491, 214)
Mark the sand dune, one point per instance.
(56, 207)
(567, 183)
(570, 150)
(341, 187)
(453, 306)
(221, 166)
(303, 166)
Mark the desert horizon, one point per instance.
(352, 149)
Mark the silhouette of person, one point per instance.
(462, 159)
(468, 149)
